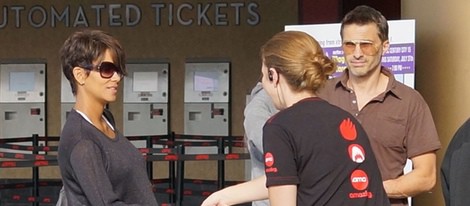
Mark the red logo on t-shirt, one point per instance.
(356, 153)
(268, 159)
(359, 180)
(348, 129)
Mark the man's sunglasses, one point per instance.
(107, 69)
(367, 47)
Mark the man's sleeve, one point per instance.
(422, 135)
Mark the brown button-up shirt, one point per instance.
(398, 122)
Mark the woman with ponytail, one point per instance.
(314, 153)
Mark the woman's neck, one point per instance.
(93, 111)
(291, 97)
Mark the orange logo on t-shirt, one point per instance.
(268, 159)
(359, 180)
(356, 153)
(348, 129)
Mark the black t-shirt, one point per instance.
(325, 152)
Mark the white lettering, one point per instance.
(180, 16)
(42, 15)
(359, 179)
(18, 10)
(170, 14)
(64, 16)
(220, 18)
(80, 19)
(138, 15)
(5, 17)
(255, 18)
(237, 7)
(114, 19)
(98, 9)
(158, 9)
(131, 15)
(202, 14)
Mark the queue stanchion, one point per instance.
(35, 191)
(230, 145)
(179, 176)
(171, 170)
(220, 164)
(149, 144)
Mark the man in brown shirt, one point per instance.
(395, 117)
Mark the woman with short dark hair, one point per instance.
(99, 166)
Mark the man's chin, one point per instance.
(357, 72)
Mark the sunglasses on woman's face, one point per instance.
(107, 69)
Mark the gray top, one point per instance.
(257, 111)
(97, 170)
(455, 168)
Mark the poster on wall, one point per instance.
(400, 57)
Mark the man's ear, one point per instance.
(385, 46)
(79, 74)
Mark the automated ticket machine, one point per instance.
(145, 103)
(22, 100)
(206, 101)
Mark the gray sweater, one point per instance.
(455, 168)
(97, 170)
(257, 111)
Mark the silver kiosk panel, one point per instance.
(22, 100)
(146, 100)
(206, 101)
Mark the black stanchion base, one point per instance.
(52, 192)
(19, 196)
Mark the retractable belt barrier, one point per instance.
(172, 152)
(179, 140)
(36, 160)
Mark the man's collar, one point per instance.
(342, 80)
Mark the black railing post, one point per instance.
(179, 176)
(220, 164)
(35, 192)
(149, 163)
(171, 169)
